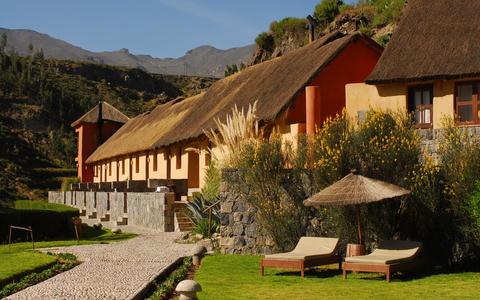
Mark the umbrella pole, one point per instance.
(359, 224)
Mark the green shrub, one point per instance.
(276, 195)
(384, 39)
(166, 288)
(67, 181)
(211, 188)
(295, 27)
(387, 11)
(473, 205)
(199, 216)
(265, 41)
(326, 11)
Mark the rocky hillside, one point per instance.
(40, 98)
(375, 18)
(201, 61)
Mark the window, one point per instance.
(137, 164)
(155, 161)
(178, 158)
(123, 166)
(466, 100)
(96, 171)
(110, 169)
(420, 102)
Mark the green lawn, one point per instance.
(20, 258)
(237, 277)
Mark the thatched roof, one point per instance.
(274, 83)
(104, 110)
(434, 40)
(355, 189)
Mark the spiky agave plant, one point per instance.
(239, 128)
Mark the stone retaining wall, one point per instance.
(240, 233)
(150, 210)
(431, 138)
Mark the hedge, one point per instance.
(46, 224)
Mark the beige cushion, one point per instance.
(309, 248)
(389, 252)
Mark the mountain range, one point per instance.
(201, 61)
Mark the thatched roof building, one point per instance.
(434, 40)
(274, 83)
(103, 111)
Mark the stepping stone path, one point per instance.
(118, 270)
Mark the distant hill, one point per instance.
(201, 61)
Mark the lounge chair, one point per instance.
(389, 257)
(309, 252)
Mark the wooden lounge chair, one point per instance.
(389, 257)
(309, 252)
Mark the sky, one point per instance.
(161, 28)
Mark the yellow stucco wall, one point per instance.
(443, 101)
(362, 97)
(142, 172)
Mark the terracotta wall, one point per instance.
(88, 138)
(352, 65)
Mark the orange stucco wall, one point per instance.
(352, 65)
(87, 135)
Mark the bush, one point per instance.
(326, 11)
(387, 11)
(199, 216)
(67, 181)
(294, 27)
(46, 224)
(265, 41)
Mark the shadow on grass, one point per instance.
(311, 273)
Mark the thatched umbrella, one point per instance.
(355, 190)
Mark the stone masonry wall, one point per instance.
(239, 231)
(431, 138)
(150, 210)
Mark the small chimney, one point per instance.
(311, 28)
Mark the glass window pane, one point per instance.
(465, 113)
(465, 92)
(426, 116)
(426, 97)
(417, 116)
(418, 97)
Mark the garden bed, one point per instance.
(62, 262)
(164, 287)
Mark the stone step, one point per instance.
(83, 212)
(93, 215)
(122, 220)
(105, 218)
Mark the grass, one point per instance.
(237, 277)
(42, 205)
(20, 259)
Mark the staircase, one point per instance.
(183, 221)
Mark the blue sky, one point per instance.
(161, 28)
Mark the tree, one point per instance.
(3, 43)
(231, 69)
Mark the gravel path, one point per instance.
(110, 271)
